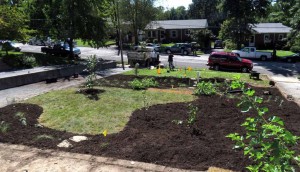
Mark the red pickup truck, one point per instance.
(224, 60)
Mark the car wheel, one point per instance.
(217, 67)
(168, 51)
(245, 69)
(185, 52)
(263, 58)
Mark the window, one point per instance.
(149, 34)
(267, 38)
(246, 50)
(280, 37)
(174, 33)
(162, 34)
(252, 39)
(252, 50)
(187, 31)
(152, 34)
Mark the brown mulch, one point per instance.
(156, 137)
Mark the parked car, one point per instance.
(156, 46)
(292, 58)
(218, 44)
(9, 46)
(224, 60)
(252, 53)
(60, 49)
(42, 42)
(182, 48)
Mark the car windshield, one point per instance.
(240, 59)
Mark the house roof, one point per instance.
(271, 28)
(178, 24)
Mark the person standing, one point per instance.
(170, 60)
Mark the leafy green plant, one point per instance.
(44, 137)
(91, 68)
(266, 141)
(4, 126)
(21, 117)
(205, 88)
(137, 84)
(149, 82)
(146, 102)
(29, 61)
(192, 114)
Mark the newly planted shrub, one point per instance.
(91, 68)
(3, 126)
(205, 88)
(266, 141)
(136, 84)
(192, 114)
(149, 82)
(21, 117)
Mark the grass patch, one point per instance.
(204, 73)
(67, 111)
(3, 53)
(167, 45)
(81, 43)
(279, 53)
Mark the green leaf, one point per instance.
(277, 120)
(250, 92)
(258, 99)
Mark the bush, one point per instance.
(295, 48)
(137, 84)
(230, 45)
(205, 88)
(29, 62)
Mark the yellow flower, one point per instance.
(104, 133)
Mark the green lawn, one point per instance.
(80, 43)
(3, 53)
(204, 73)
(67, 110)
(280, 53)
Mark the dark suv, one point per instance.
(182, 48)
(218, 60)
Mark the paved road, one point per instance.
(111, 53)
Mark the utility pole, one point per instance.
(120, 35)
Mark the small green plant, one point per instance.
(4, 126)
(44, 137)
(29, 61)
(136, 84)
(21, 117)
(136, 69)
(149, 82)
(205, 88)
(146, 102)
(91, 68)
(266, 141)
(192, 114)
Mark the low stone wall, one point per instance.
(59, 72)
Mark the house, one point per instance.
(173, 30)
(266, 35)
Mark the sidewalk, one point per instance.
(288, 86)
(27, 159)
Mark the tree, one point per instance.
(242, 14)
(138, 13)
(72, 19)
(295, 24)
(12, 23)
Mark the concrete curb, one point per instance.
(33, 159)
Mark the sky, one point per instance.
(173, 3)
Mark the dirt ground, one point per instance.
(156, 136)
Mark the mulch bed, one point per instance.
(155, 137)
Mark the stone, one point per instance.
(65, 144)
(78, 138)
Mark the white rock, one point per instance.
(65, 144)
(78, 138)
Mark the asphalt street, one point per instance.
(111, 53)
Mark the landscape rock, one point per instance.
(65, 144)
(78, 138)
